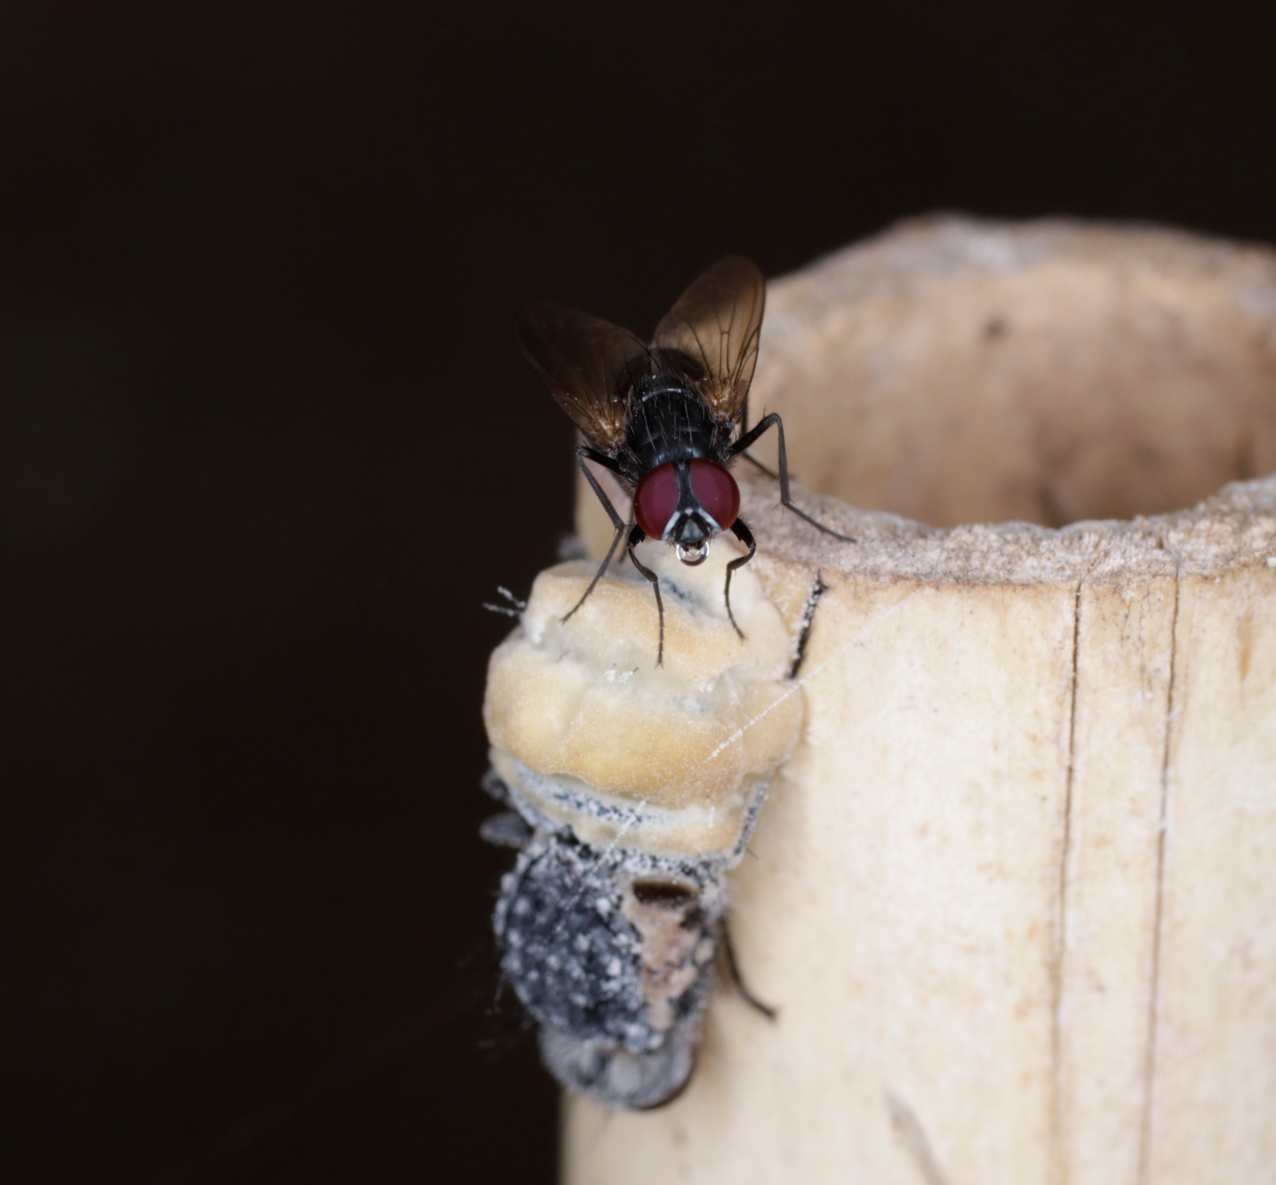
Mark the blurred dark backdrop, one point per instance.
(266, 444)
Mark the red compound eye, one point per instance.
(716, 491)
(656, 500)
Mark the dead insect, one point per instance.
(611, 951)
(666, 418)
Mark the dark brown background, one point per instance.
(266, 445)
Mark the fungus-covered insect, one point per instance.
(612, 952)
(666, 418)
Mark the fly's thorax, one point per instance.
(666, 420)
(664, 758)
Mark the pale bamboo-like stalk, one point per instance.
(1014, 895)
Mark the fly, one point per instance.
(667, 418)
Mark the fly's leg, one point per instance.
(636, 536)
(750, 438)
(741, 532)
(744, 429)
(616, 521)
(733, 970)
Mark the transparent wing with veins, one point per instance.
(589, 365)
(716, 323)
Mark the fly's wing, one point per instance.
(716, 322)
(589, 365)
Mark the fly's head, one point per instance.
(687, 503)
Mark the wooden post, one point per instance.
(1014, 894)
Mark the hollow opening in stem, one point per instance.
(1044, 373)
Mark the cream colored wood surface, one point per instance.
(1014, 894)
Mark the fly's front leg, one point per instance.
(744, 428)
(750, 438)
(636, 536)
(741, 532)
(583, 453)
